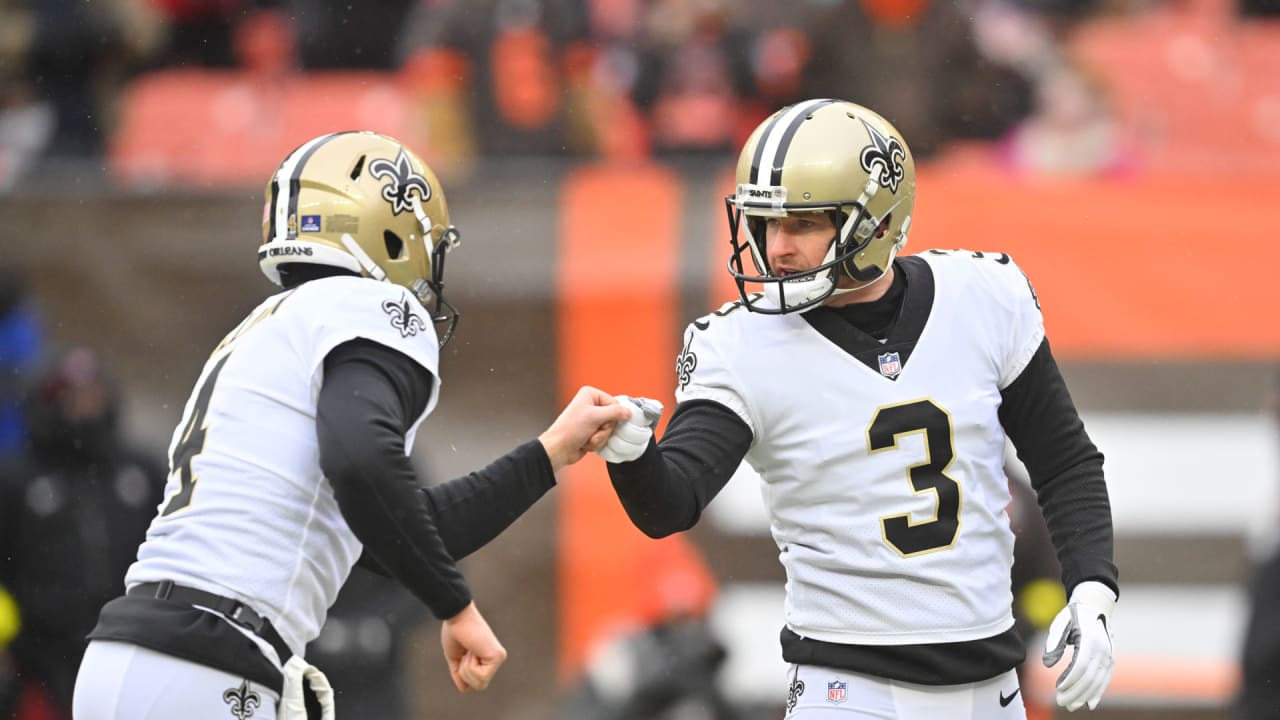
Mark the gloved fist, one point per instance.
(1085, 625)
(630, 438)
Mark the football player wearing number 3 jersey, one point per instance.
(291, 462)
(874, 394)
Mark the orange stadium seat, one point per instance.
(1197, 89)
(1260, 57)
(1194, 86)
(210, 129)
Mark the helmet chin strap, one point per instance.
(367, 262)
(424, 221)
(863, 286)
(362, 257)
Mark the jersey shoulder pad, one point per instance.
(962, 257)
(734, 308)
(346, 308)
(995, 271)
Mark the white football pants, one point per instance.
(821, 693)
(120, 681)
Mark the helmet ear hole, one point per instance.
(395, 246)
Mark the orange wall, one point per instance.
(1144, 267)
(616, 317)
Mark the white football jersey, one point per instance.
(882, 462)
(247, 512)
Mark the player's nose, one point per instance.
(782, 247)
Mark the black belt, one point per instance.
(236, 611)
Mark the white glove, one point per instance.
(629, 439)
(1084, 624)
(292, 705)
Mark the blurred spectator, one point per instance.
(76, 57)
(1037, 589)
(1259, 697)
(72, 513)
(694, 76)
(9, 624)
(1011, 34)
(362, 645)
(265, 45)
(1070, 131)
(26, 121)
(201, 33)
(21, 345)
(664, 672)
(516, 52)
(778, 60)
(657, 659)
(436, 81)
(1265, 9)
(1038, 594)
(324, 35)
(917, 63)
(348, 35)
(601, 75)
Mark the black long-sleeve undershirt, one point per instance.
(1065, 467)
(665, 490)
(370, 397)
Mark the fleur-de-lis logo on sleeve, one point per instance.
(882, 159)
(403, 318)
(242, 700)
(686, 363)
(403, 182)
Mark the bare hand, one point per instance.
(471, 650)
(584, 426)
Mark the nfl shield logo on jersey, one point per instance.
(837, 692)
(890, 365)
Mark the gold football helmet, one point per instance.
(364, 202)
(821, 155)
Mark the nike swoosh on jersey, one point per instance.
(1004, 701)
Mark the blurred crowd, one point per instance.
(586, 77)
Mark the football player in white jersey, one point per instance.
(291, 460)
(874, 394)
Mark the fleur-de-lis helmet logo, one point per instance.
(882, 159)
(403, 182)
(242, 700)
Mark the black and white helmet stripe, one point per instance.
(284, 199)
(771, 148)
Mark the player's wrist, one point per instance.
(1094, 594)
(466, 613)
(553, 445)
